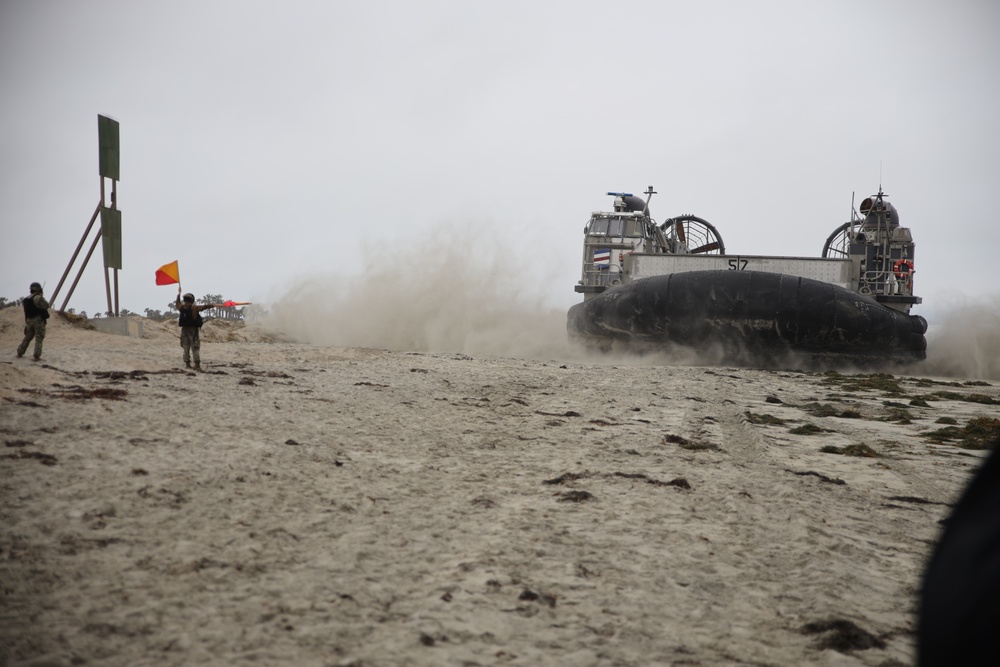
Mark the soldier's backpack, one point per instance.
(189, 318)
(31, 310)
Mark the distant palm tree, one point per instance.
(211, 298)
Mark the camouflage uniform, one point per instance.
(190, 340)
(36, 312)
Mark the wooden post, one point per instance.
(78, 275)
(76, 253)
(107, 288)
(114, 205)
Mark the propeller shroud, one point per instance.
(690, 235)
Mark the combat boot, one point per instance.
(197, 367)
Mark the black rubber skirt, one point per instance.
(748, 316)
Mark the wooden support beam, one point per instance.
(76, 253)
(80, 273)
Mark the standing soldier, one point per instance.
(36, 311)
(190, 323)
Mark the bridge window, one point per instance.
(598, 227)
(634, 227)
(618, 227)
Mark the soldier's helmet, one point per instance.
(35, 288)
(189, 298)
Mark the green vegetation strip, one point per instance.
(979, 433)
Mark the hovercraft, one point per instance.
(668, 286)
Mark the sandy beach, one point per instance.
(314, 505)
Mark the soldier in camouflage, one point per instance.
(36, 312)
(190, 323)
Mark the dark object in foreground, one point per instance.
(748, 316)
(960, 600)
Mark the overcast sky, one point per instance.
(262, 142)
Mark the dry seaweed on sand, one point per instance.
(860, 449)
(821, 476)
(883, 382)
(700, 447)
(899, 415)
(575, 496)
(764, 418)
(842, 635)
(978, 433)
(679, 482)
(568, 477)
(916, 500)
(808, 429)
(968, 398)
(80, 393)
(43, 458)
(819, 409)
(827, 410)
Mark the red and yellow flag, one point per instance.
(168, 274)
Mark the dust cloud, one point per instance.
(461, 288)
(964, 341)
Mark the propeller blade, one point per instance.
(680, 232)
(708, 247)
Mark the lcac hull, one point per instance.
(748, 316)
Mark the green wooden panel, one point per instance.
(107, 134)
(111, 235)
